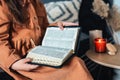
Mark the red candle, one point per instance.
(100, 45)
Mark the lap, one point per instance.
(75, 69)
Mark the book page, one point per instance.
(50, 51)
(66, 38)
(49, 55)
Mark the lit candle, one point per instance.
(100, 45)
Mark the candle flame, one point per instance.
(99, 40)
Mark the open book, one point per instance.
(57, 46)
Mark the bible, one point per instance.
(57, 46)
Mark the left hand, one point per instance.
(62, 24)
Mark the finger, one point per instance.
(76, 23)
(60, 25)
(70, 24)
(26, 60)
(31, 67)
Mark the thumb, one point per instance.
(60, 24)
(27, 60)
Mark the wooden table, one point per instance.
(112, 61)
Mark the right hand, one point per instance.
(23, 65)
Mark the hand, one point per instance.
(62, 24)
(22, 64)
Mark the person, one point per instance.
(20, 22)
(89, 20)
